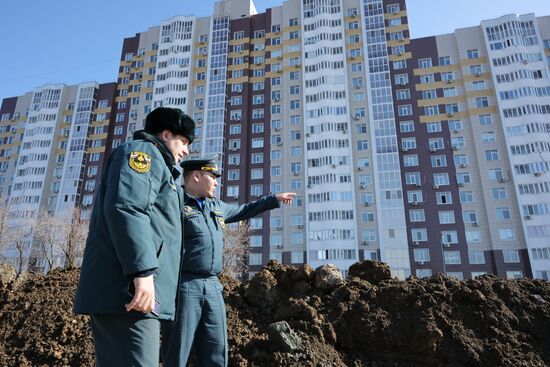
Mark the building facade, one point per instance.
(429, 154)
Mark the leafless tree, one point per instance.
(15, 236)
(3, 223)
(235, 250)
(47, 233)
(73, 232)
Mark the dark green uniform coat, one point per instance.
(202, 316)
(136, 226)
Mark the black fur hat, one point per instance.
(172, 119)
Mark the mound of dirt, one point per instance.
(295, 316)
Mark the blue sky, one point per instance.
(71, 41)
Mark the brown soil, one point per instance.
(370, 320)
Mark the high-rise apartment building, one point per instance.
(429, 154)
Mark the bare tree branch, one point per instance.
(235, 250)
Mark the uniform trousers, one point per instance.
(201, 319)
(125, 340)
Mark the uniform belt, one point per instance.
(189, 276)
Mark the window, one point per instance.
(233, 174)
(502, 213)
(404, 110)
(449, 237)
(506, 234)
(473, 54)
(499, 193)
(469, 216)
(452, 257)
(412, 178)
(417, 215)
(406, 126)
(510, 256)
(235, 129)
(425, 63)
(441, 179)
(492, 155)
(488, 137)
(485, 120)
(433, 127)
(419, 234)
(466, 197)
(421, 255)
(446, 217)
(254, 258)
(443, 198)
(482, 102)
(436, 144)
(410, 160)
(402, 94)
(444, 60)
(439, 161)
(414, 197)
(257, 158)
(449, 92)
(408, 143)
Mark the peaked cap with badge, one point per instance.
(207, 164)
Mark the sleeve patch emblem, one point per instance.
(140, 162)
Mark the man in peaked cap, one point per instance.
(201, 317)
(129, 276)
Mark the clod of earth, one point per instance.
(297, 316)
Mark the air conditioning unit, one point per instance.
(445, 244)
(416, 243)
(59, 163)
(59, 176)
(279, 228)
(527, 217)
(13, 130)
(308, 134)
(233, 149)
(204, 53)
(418, 184)
(455, 147)
(463, 165)
(460, 184)
(280, 143)
(449, 81)
(351, 57)
(279, 246)
(276, 99)
(280, 71)
(309, 186)
(525, 62)
(403, 84)
(345, 131)
(199, 119)
(450, 114)
(296, 173)
(475, 224)
(433, 150)
(353, 15)
(537, 174)
(279, 57)
(258, 63)
(456, 131)
(365, 243)
(478, 74)
(420, 262)
(277, 129)
(333, 166)
(414, 203)
(235, 197)
(362, 186)
(297, 65)
(56, 190)
(300, 226)
(435, 187)
(355, 117)
(502, 180)
(367, 203)
(241, 51)
(359, 168)
(404, 150)
(399, 54)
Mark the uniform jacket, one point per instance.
(136, 226)
(203, 229)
